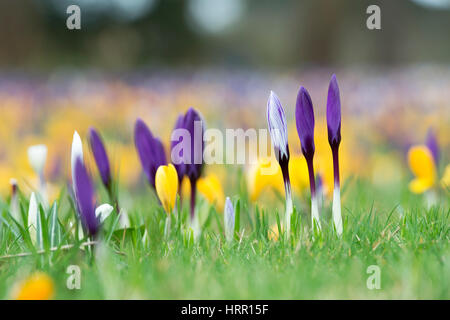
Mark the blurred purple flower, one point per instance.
(334, 113)
(177, 161)
(84, 194)
(432, 144)
(150, 150)
(101, 157)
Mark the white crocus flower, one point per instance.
(37, 156)
(103, 211)
(229, 218)
(77, 152)
(14, 205)
(33, 212)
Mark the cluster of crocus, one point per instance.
(304, 115)
(186, 155)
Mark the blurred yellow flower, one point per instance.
(166, 183)
(185, 189)
(422, 165)
(445, 181)
(265, 173)
(273, 232)
(211, 188)
(38, 286)
(298, 173)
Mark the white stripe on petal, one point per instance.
(277, 124)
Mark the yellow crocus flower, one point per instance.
(166, 183)
(211, 188)
(298, 173)
(39, 286)
(265, 173)
(422, 165)
(445, 181)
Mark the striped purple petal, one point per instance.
(100, 156)
(84, 192)
(276, 121)
(304, 116)
(334, 113)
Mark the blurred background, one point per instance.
(153, 59)
(124, 34)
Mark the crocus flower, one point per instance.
(167, 186)
(150, 150)
(229, 219)
(101, 158)
(276, 121)
(334, 138)
(84, 194)
(103, 211)
(265, 173)
(37, 156)
(211, 188)
(14, 205)
(77, 153)
(192, 157)
(38, 286)
(421, 163)
(33, 212)
(304, 115)
(433, 145)
(179, 164)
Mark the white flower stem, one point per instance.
(315, 212)
(337, 217)
(289, 208)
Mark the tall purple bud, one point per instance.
(334, 138)
(150, 150)
(194, 123)
(101, 158)
(84, 193)
(276, 121)
(304, 115)
(432, 144)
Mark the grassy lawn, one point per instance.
(388, 228)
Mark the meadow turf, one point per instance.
(386, 227)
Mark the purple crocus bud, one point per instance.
(195, 125)
(150, 150)
(334, 138)
(84, 193)
(432, 144)
(304, 116)
(334, 113)
(101, 157)
(178, 158)
(276, 121)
